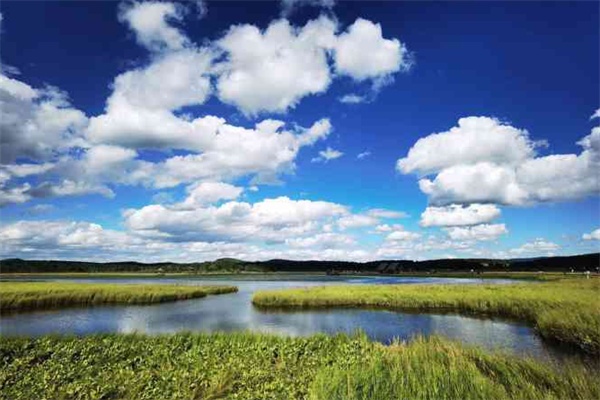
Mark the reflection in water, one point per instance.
(234, 311)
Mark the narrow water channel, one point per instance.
(231, 312)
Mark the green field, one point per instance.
(21, 296)
(566, 311)
(254, 366)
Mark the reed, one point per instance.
(567, 311)
(22, 296)
(256, 366)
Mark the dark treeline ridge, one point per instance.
(579, 263)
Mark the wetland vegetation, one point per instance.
(244, 365)
(257, 366)
(567, 310)
(20, 296)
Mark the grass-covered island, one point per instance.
(567, 310)
(22, 296)
(254, 366)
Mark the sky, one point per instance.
(301, 129)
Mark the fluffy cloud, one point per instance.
(357, 221)
(363, 37)
(257, 70)
(227, 153)
(322, 241)
(352, 99)
(594, 235)
(36, 124)
(371, 217)
(384, 228)
(538, 246)
(22, 170)
(457, 215)
(34, 235)
(15, 194)
(484, 161)
(150, 22)
(274, 69)
(84, 240)
(474, 140)
(139, 111)
(483, 182)
(477, 232)
(21, 193)
(269, 220)
(402, 235)
(411, 245)
(103, 158)
(211, 192)
(40, 125)
(327, 155)
(171, 81)
(68, 187)
(140, 114)
(24, 192)
(232, 152)
(363, 155)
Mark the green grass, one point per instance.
(567, 311)
(254, 366)
(21, 296)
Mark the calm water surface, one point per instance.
(230, 312)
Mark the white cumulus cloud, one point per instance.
(478, 232)
(402, 235)
(484, 161)
(594, 235)
(271, 219)
(36, 124)
(474, 140)
(458, 215)
(537, 246)
(362, 52)
(274, 69)
(211, 192)
(327, 155)
(151, 23)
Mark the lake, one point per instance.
(231, 312)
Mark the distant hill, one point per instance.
(230, 265)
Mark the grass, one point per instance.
(567, 311)
(21, 296)
(254, 366)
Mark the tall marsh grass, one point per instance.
(567, 311)
(21, 296)
(255, 366)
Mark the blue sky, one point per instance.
(190, 131)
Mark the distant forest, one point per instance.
(579, 263)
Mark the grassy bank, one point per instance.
(252, 366)
(567, 311)
(21, 296)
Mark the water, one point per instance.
(231, 312)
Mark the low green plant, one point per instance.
(256, 366)
(437, 369)
(21, 296)
(567, 311)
